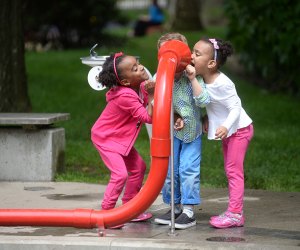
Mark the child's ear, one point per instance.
(124, 82)
(211, 64)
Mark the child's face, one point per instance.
(132, 72)
(201, 56)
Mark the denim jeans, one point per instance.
(187, 157)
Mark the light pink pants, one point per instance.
(234, 151)
(125, 171)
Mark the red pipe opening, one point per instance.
(173, 57)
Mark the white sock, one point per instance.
(188, 210)
(177, 208)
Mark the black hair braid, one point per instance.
(225, 50)
(107, 76)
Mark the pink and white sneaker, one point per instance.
(142, 217)
(216, 216)
(227, 219)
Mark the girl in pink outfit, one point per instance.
(117, 128)
(227, 121)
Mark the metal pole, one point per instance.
(172, 228)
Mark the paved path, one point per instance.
(272, 221)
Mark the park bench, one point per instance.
(31, 147)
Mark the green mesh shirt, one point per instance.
(189, 108)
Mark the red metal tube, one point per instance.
(173, 57)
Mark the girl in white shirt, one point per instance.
(227, 121)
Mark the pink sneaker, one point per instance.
(217, 216)
(227, 219)
(142, 217)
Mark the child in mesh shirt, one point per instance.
(189, 96)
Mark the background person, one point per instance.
(154, 18)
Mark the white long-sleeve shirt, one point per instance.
(225, 108)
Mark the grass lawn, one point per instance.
(57, 82)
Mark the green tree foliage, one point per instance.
(267, 36)
(77, 21)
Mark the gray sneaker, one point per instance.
(165, 219)
(184, 222)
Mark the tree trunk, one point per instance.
(185, 15)
(13, 82)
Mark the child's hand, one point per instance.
(205, 124)
(149, 86)
(190, 72)
(221, 132)
(179, 124)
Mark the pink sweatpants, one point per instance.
(125, 171)
(234, 151)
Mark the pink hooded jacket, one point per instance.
(120, 122)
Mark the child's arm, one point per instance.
(200, 93)
(233, 104)
(191, 74)
(149, 87)
(150, 106)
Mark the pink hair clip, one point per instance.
(216, 46)
(214, 42)
(115, 69)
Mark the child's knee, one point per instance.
(143, 167)
(121, 178)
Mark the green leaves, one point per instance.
(267, 35)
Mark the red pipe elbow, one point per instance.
(173, 57)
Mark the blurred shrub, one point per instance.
(74, 23)
(267, 36)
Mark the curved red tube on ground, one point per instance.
(173, 57)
